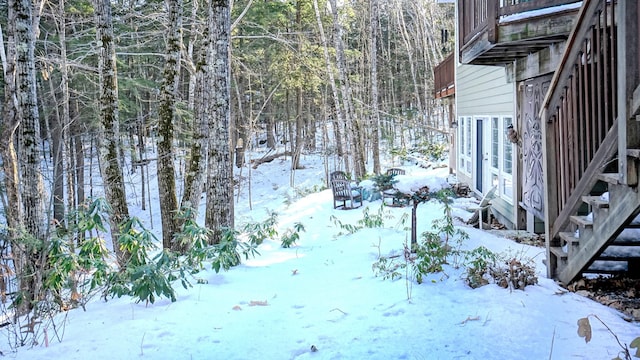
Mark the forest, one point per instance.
(202, 82)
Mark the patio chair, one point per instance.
(343, 192)
(337, 175)
(395, 171)
(397, 198)
(484, 205)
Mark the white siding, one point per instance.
(483, 90)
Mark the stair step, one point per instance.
(611, 178)
(626, 242)
(596, 201)
(634, 153)
(607, 267)
(558, 252)
(620, 252)
(581, 221)
(569, 237)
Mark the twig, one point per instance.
(553, 338)
(141, 343)
(624, 347)
(469, 318)
(338, 310)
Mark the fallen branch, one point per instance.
(269, 158)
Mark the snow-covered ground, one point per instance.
(320, 299)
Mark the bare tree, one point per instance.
(375, 115)
(167, 116)
(352, 123)
(108, 140)
(219, 213)
(339, 118)
(196, 164)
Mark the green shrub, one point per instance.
(479, 262)
(143, 277)
(292, 235)
(73, 275)
(259, 231)
(388, 268)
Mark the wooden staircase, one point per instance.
(590, 114)
(607, 240)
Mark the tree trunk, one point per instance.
(108, 140)
(65, 119)
(14, 212)
(219, 214)
(167, 116)
(353, 124)
(298, 143)
(375, 115)
(31, 181)
(339, 121)
(196, 165)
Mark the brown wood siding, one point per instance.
(444, 77)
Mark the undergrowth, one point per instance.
(441, 247)
(79, 265)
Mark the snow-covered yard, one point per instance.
(320, 299)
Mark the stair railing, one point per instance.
(579, 114)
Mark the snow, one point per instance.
(322, 293)
(540, 12)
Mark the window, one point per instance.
(501, 157)
(495, 142)
(507, 161)
(464, 151)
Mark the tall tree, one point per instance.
(352, 123)
(108, 141)
(298, 139)
(219, 213)
(373, 56)
(339, 117)
(167, 116)
(29, 255)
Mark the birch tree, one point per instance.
(353, 124)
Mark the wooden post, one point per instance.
(414, 225)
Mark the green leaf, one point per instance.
(635, 344)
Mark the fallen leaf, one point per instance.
(258, 303)
(584, 329)
(237, 307)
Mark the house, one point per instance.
(485, 108)
(444, 93)
(574, 70)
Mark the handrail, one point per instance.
(579, 113)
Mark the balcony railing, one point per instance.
(444, 77)
(479, 16)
